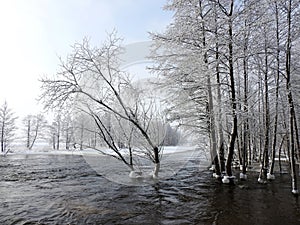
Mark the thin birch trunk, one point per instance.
(219, 98)
(212, 124)
(271, 172)
(233, 134)
(265, 164)
(290, 101)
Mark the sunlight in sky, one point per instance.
(35, 32)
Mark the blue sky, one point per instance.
(35, 32)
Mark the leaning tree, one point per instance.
(91, 79)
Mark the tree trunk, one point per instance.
(297, 138)
(271, 172)
(233, 134)
(211, 116)
(2, 137)
(279, 154)
(58, 136)
(265, 164)
(246, 142)
(260, 119)
(290, 101)
(53, 141)
(219, 99)
(156, 162)
(28, 133)
(35, 136)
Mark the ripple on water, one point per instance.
(66, 190)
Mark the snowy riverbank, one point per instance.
(46, 150)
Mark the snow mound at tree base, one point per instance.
(270, 176)
(136, 175)
(243, 176)
(261, 181)
(140, 175)
(215, 175)
(228, 179)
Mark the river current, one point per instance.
(66, 189)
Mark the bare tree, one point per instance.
(234, 40)
(277, 81)
(183, 63)
(91, 75)
(83, 129)
(8, 128)
(290, 98)
(34, 127)
(55, 132)
(68, 130)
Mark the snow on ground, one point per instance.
(46, 149)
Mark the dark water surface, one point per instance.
(64, 189)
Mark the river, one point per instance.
(66, 189)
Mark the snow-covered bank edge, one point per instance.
(166, 150)
(51, 152)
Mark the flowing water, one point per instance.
(65, 189)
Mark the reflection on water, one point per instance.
(41, 189)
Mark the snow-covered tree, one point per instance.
(184, 57)
(68, 130)
(34, 127)
(291, 6)
(8, 127)
(182, 62)
(55, 132)
(172, 136)
(91, 80)
(225, 64)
